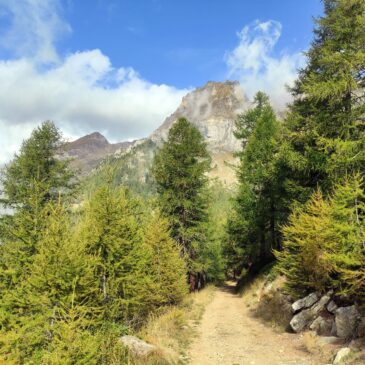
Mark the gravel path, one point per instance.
(229, 335)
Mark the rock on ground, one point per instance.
(304, 318)
(137, 347)
(323, 326)
(347, 320)
(306, 302)
(342, 355)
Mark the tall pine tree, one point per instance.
(179, 169)
(254, 224)
(324, 134)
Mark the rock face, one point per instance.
(88, 151)
(137, 347)
(212, 109)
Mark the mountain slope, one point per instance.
(212, 109)
(87, 152)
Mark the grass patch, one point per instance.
(174, 329)
(265, 297)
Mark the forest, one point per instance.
(83, 264)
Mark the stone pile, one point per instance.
(322, 315)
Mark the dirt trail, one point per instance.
(229, 335)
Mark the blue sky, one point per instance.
(122, 66)
(181, 43)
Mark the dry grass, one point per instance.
(314, 347)
(173, 330)
(267, 301)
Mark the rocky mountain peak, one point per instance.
(87, 151)
(95, 138)
(213, 109)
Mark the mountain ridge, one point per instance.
(212, 108)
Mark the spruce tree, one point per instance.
(324, 137)
(37, 168)
(179, 169)
(254, 223)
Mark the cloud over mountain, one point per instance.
(253, 63)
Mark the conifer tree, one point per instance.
(306, 243)
(37, 168)
(34, 178)
(253, 226)
(179, 169)
(168, 267)
(323, 245)
(111, 230)
(57, 273)
(324, 137)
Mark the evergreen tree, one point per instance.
(179, 169)
(253, 225)
(324, 134)
(34, 178)
(37, 169)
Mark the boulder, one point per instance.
(301, 320)
(347, 321)
(319, 306)
(137, 347)
(304, 318)
(304, 303)
(323, 326)
(342, 355)
(332, 307)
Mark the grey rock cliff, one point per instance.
(213, 109)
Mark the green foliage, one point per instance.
(324, 127)
(253, 224)
(168, 267)
(324, 242)
(111, 231)
(130, 169)
(71, 284)
(37, 171)
(179, 169)
(212, 253)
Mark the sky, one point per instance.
(121, 67)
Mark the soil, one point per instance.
(229, 334)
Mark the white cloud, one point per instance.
(253, 64)
(81, 92)
(35, 27)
